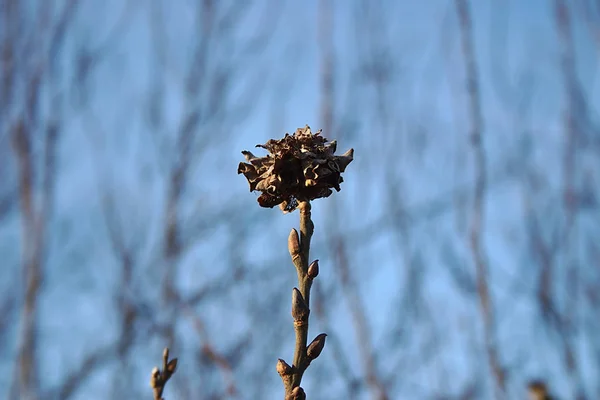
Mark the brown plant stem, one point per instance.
(304, 284)
(300, 251)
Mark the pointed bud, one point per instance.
(283, 368)
(294, 244)
(316, 346)
(297, 394)
(171, 367)
(299, 308)
(154, 378)
(313, 269)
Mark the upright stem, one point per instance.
(304, 284)
(306, 231)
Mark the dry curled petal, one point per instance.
(299, 167)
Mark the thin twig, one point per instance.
(209, 350)
(359, 317)
(476, 229)
(570, 168)
(299, 248)
(79, 375)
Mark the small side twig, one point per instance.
(159, 378)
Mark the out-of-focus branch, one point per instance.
(34, 225)
(361, 324)
(180, 169)
(498, 34)
(476, 228)
(8, 307)
(125, 253)
(546, 277)
(26, 366)
(8, 19)
(327, 110)
(590, 12)
(31, 68)
(573, 93)
(209, 350)
(327, 82)
(573, 96)
(334, 343)
(79, 375)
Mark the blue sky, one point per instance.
(414, 149)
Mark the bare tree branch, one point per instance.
(361, 324)
(572, 134)
(476, 230)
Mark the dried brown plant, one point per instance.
(299, 168)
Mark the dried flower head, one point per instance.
(299, 167)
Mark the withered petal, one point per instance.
(267, 201)
(333, 165)
(248, 155)
(331, 147)
(322, 171)
(272, 190)
(345, 159)
(243, 168)
(309, 172)
(262, 185)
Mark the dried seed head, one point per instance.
(313, 269)
(316, 347)
(294, 244)
(283, 368)
(299, 167)
(299, 308)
